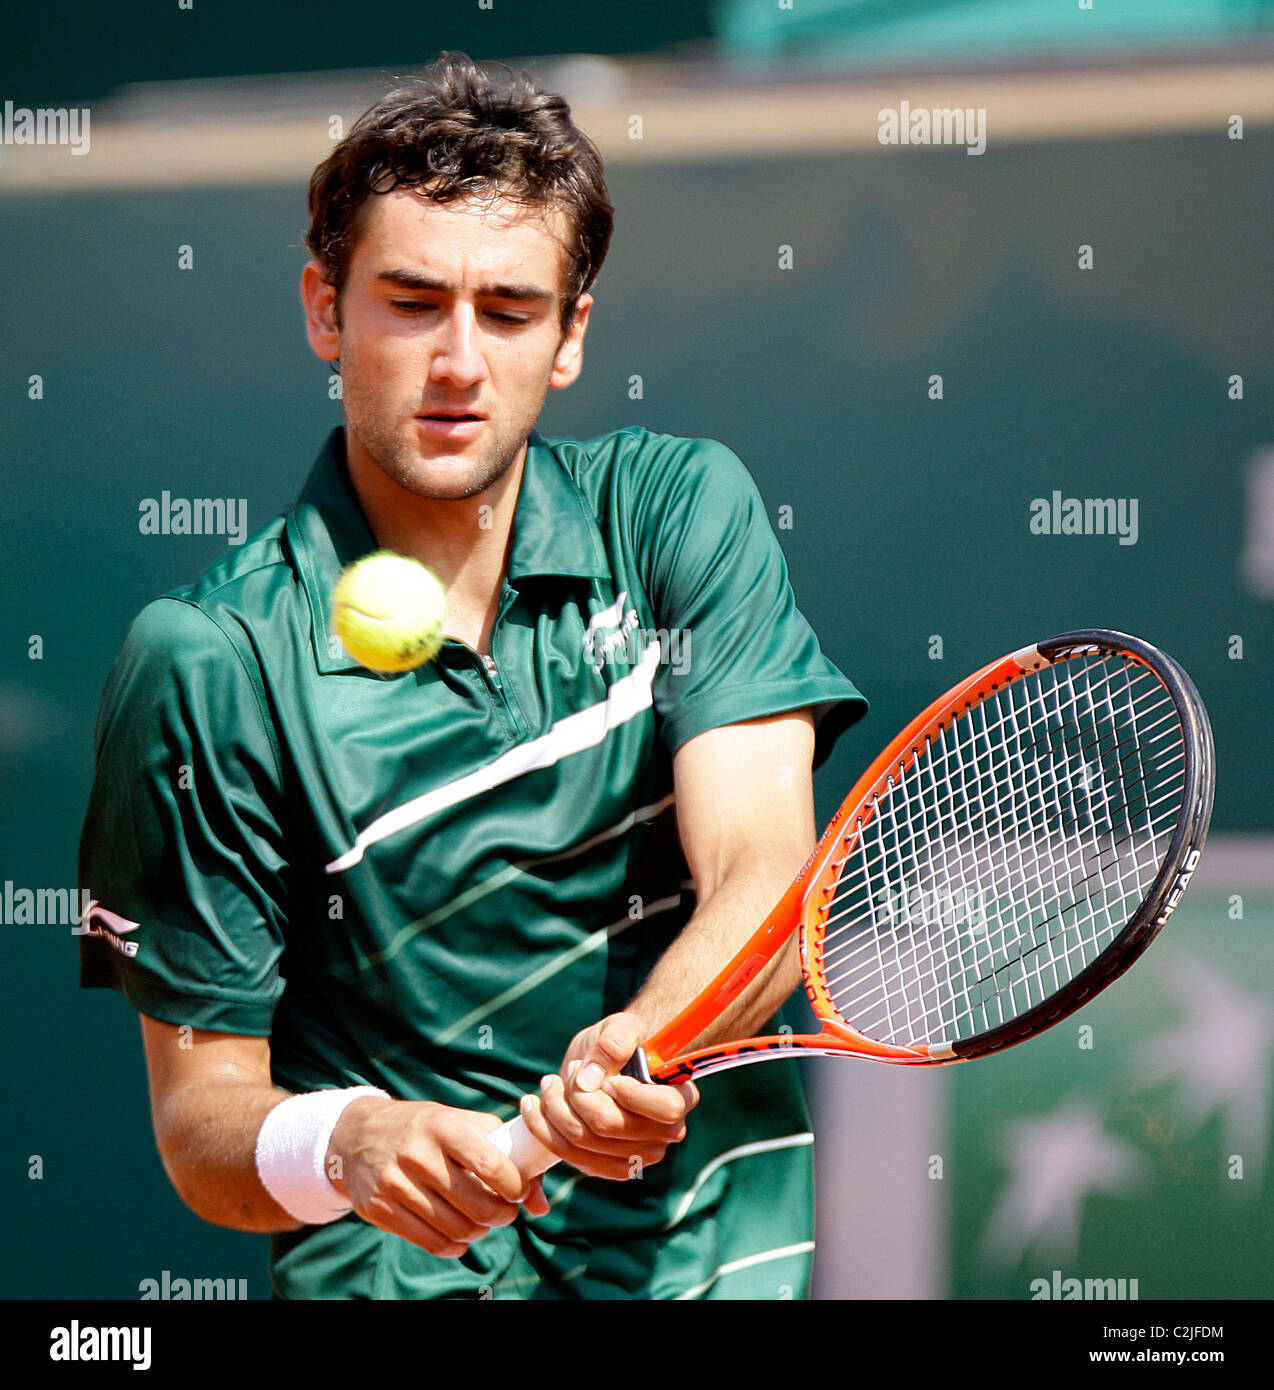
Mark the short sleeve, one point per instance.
(737, 646)
(182, 853)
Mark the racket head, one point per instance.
(1010, 853)
(1064, 794)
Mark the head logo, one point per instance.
(1179, 887)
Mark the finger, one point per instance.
(618, 1164)
(471, 1195)
(622, 1162)
(667, 1104)
(399, 1203)
(596, 1122)
(572, 1128)
(617, 1038)
(412, 1228)
(465, 1141)
(436, 1171)
(625, 1106)
(536, 1203)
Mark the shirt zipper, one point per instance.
(501, 701)
(493, 671)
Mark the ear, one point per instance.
(319, 300)
(569, 361)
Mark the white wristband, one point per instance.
(292, 1153)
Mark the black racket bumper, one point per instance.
(636, 1066)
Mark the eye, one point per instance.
(508, 318)
(412, 306)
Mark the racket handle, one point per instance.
(529, 1156)
(515, 1141)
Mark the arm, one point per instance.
(423, 1171)
(209, 1093)
(745, 812)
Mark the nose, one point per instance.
(457, 358)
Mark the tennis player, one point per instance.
(362, 916)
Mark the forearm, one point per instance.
(207, 1136)
(707, 943)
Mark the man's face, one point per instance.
(449, 336)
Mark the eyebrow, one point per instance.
(412, 280)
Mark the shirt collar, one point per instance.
(554, 529)
(554, 533)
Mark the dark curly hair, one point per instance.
(457, 132)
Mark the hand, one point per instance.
(427, 1173)
(605, 1124)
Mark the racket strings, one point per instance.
(1048, 795)
(942, 797)
(945, 795)
(1007, 854)
(1028, 851)
(854, 915)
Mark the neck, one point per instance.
(464, 540)
(454, 536)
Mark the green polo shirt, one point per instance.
(430, 882)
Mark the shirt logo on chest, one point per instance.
(615, 636)
(609, 631)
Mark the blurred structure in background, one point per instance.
(942, 33)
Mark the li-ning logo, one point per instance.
(1179, 887)
(110, 926)
(609, 630)
(615, 636)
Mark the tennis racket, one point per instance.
(1009, 854)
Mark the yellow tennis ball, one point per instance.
(388, 611)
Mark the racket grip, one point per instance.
(515, 1141)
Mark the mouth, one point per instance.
(455, 426)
